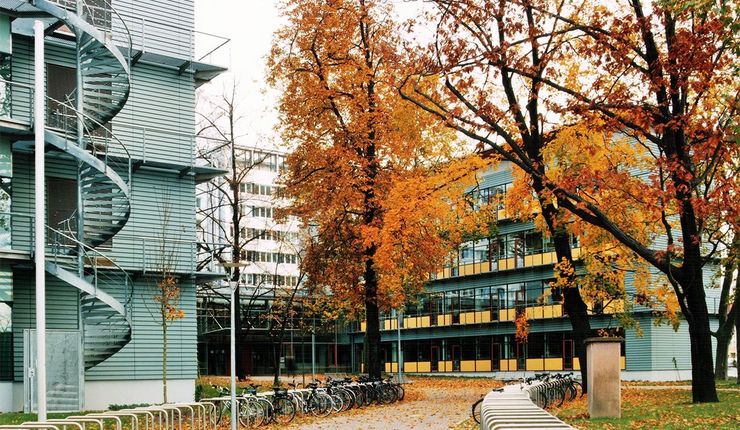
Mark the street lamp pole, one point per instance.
(232, 287)
(399, 353)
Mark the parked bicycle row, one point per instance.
(545, 390)
(320, 399)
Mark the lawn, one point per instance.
(664, 409)
(655, 409)
(20, 417)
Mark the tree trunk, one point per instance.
(703, 388)
(164, 360)
(276, 350)
(737, 338)
(723, 347)
(372, 318)
(574, 305)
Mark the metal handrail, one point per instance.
(77, 113)
(57, 245)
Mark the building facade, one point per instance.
(464, 320)
(270, 252)
(120, 191)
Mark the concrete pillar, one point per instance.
(604, 385)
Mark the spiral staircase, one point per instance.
(104, 175)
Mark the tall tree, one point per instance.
(661, 74)
(475, 47)
(361, 155)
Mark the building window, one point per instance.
(6, 343)
(6, 91)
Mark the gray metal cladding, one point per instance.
(62, 304)
(158, 122)
(141, 358)
(159, 27)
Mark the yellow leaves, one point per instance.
(168, 298)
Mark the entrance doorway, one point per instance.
(64, 371)
(435, 359)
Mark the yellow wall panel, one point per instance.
(622, 363)
(557, 311)
(576, 364)
(467, 366)
(484, 316)
(512, 365)
(467, 318)
(363, 326)
(387, 367)
(386, 325)
(483, 365)
(547, 312)
(424, 366)
(576, 253)
(535, 364)
(553, 364)
(409, 322)
(445, 366)
(409, 367)
(529, 260)
(425, 321)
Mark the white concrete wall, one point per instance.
(6, 396)
(100, 394)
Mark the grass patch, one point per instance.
(664, 409)
(7, 418)
(725, 383)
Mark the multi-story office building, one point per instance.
(464, 320)
(120, 191)
(270, 251)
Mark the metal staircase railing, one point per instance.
(105, 162)
(106, 319)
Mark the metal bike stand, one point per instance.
(149, 416)
(121, 414)
(101, 417)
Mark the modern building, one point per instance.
(120, 191)
(464, 320)
(269, 249)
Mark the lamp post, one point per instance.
(399, 353)
(40, 219)
(233, 285)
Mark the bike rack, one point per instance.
(513, 408)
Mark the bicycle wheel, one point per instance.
(475, 410)
(251, 414)
(401, 391)
(222, 410)
(320, 405)
(337, 405)
(283, 410)
(346, 397)
(579, 388)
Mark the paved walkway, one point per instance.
(426, 408)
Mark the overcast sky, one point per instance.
(249, 24)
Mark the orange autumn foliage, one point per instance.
(378, 183)
(661, 73)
